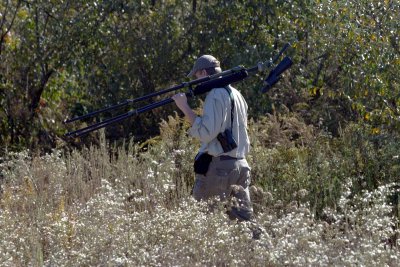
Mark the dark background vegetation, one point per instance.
(65, 58)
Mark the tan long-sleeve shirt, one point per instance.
(216, 118)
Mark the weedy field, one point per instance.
(319, 200)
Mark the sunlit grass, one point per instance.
(129, 207)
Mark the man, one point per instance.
(224, 174)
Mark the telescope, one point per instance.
(202, 86)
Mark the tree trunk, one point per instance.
(194, 6)
(36, 93)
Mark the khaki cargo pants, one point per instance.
(226, 177)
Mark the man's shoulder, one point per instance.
(222, 93)
(219, 92)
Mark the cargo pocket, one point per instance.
(200, 188)
(225, 178)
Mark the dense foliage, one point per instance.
(65, 58)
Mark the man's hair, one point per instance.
(212, 70)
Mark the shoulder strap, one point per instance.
(232, 102)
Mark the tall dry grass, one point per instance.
(315, 200)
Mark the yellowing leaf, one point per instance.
(375, 131)
(22, 14)
(313, 91)
(8, 38)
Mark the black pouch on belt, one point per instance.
(201, 163)
(228, 143)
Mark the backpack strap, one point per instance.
(232, 102)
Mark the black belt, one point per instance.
(226, 157)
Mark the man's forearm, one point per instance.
(181, 102)
(189, 114)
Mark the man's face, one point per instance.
(201, 74)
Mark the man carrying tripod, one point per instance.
(220, 166)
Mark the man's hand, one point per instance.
(181, 102)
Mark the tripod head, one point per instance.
(275, 75)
